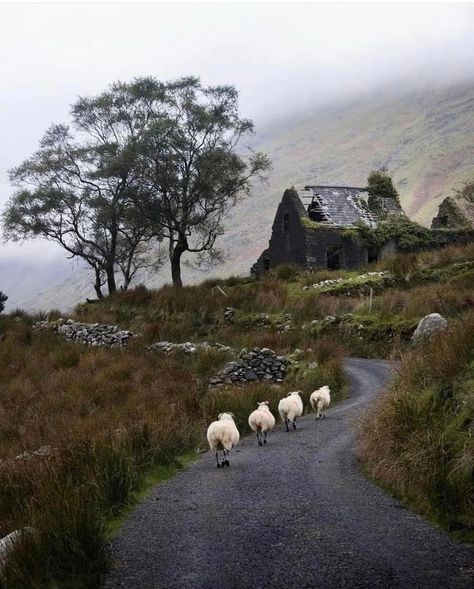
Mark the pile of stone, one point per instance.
(336, 281)
(186, 347)
(229, 313)
(286, 325)
(91, 334)
(262, 320)
(372, 275)
(253, 366)
(324, 283)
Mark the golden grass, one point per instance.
(417, 438)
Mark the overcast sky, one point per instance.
(281, 57)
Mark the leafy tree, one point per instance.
(466, 192)
(194, 170)
(141, 162)
(80, 189)
(3, 298)
(380, 186)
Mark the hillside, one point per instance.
(424, 138)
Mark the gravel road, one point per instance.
(296, 513)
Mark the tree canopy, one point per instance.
(193, 168)
(142, 162)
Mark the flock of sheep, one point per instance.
(223, 434)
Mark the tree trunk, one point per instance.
(175, 258)
(98, 284)
(111, 280)
(176, 267)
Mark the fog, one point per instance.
(283, 58)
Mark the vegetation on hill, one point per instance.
(106, 419)
(418, 439)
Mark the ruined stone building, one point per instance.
(312, 228)
(455, 212)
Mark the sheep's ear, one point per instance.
(231, 414)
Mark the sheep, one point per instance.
(290, 408)
(320, 400)
(223, 435)
(262, 421)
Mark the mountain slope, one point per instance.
(424, 138)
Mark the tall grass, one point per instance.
(418, 438)
(109, 417)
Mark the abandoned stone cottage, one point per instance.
(310, 229)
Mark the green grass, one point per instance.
(154, 476)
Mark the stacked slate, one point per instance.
(253, 366)
(91, 334)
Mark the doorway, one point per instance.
(334, 257)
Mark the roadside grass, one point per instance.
(156, 475)
(113, 423)
(417, 439)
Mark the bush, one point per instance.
(287, 272)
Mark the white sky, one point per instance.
(281, 57)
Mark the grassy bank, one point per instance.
(113, 422)
(418, 439)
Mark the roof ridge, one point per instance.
(345, 187)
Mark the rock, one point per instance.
(250, 375)
(312, 365)
(428, 326)
(42, 452)
(186, 347)
(229, 314)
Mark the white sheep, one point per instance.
(223, 435)
(320, 400)
(290, 408)
(262, 421)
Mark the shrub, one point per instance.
(287, 272)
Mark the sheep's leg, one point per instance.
(226, 462)
(294, 423)
(264, 437)
(217, 458)
(259, 437)
(286, 424)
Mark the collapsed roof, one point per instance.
(343, 206)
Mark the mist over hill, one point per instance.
(425, 138)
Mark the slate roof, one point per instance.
(341, 206)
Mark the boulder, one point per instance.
(428, 326)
